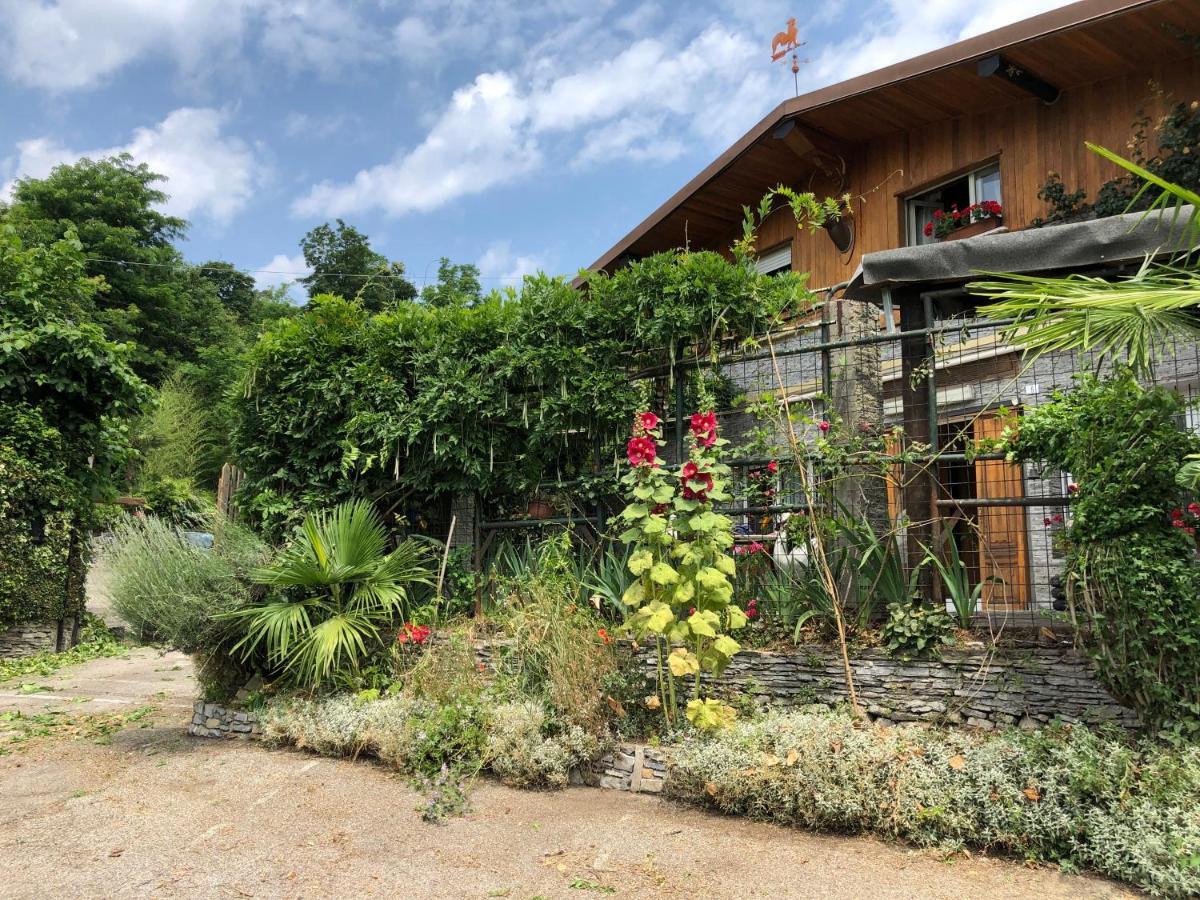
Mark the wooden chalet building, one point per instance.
(984, 119)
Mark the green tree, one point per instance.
(76, 380)
(457, 285)
(152, 299)
(234, 288)
(344, 265)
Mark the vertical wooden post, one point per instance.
(920, 417)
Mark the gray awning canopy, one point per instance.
(1062, 248)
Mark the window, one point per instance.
(981, 184)
(775, 260)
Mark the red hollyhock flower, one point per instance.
(1194, 509)
(772, 467)
(704, 428)
(641, 451)
(1177, 514)
(690, 475)
(824, 426)
(648, 421)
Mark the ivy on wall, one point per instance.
(41, 553)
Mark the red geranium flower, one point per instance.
(648, 421)
(641, 451)
(928, 229)
(772, 467)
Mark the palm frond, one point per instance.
(1171, 195)
(338, 642)
(1136, 318)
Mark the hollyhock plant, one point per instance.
(682, 593)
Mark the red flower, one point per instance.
(1177, 514)
(1058, 517)
(1179, 523)
(603, 635)
(704, 428)
(1046, 521)
(413, 634)
(824, 426)
(648, 421)
(1194, 509)
(773, 467)
(928, 229)
(1072, 488)
(701, 493)
(641, 451)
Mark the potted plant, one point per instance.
(958, 224)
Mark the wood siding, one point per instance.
(1029, 139)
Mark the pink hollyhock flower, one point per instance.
(641, 451)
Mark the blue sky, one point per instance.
(514, 134)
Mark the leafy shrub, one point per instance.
(913, 630)
(518, 740)
(173, 591)
(523, 754)
(1062, 794)
(1132, 576)
(170, 590)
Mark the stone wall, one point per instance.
(984, 689)
(630, 767)
(214, 720)
(33, 637)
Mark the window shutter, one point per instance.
(774, 260)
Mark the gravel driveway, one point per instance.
(149, 811)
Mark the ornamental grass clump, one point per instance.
(683, 596)
(1063, 794)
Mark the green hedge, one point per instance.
(42, 543)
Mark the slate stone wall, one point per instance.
(32, 637)
(977, 688)
(214, 720)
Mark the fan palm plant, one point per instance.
(339, 590)
(1135, 318)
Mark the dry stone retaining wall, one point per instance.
(214, 720)
(31, 638)
(978, 688)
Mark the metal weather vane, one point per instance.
(784, 43)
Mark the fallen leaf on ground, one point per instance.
(957, 762)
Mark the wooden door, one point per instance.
(1003, 543)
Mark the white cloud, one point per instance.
(63, 45)
(326, 36)
(315, 125)
(991, 16)
(499, 262)
(208, 173)
(647, 103)
(71, 44)
(479, 142)
(282, 269)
